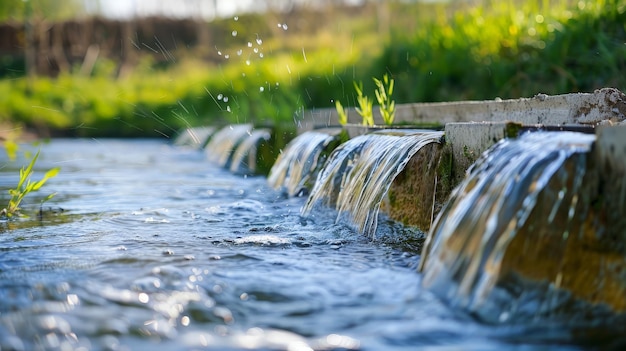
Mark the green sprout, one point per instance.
(25, 186)
(342, 114)
(384, 89)
(365, 105)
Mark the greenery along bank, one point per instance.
(450, 52)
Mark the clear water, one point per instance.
(149, 246)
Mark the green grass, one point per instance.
(510, 49)
(434, 52)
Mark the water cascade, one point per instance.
(358, 174)
(221, 147)
(196, 137)
(521, 236)
(297, 166)
(244, 159)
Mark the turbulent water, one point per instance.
(149, 246)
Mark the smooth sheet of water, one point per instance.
(156, 248)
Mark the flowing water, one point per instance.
(360, 171)
(522, 191)
(149, 246)
(223, 143)
(297, 166)
(244, 158)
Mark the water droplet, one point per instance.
(143, 298)
(249, 44)
(185, 321)
(228, 108)
(277, 84)
(256, 50)
(227, 56)
(259, 41)
(219, 53)
(236, 18)
(285, 26)
(261, 89)
(234, 33)
(261, 55)
(239, 52)
(225, 99)
(220, 96)
(248, 62)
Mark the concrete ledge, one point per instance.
(579, 108)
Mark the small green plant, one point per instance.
(25, 186)
(365, 105)
(342, 114)
(387, 106)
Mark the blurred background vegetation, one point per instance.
(70, 68)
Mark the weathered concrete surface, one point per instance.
(580, 108)
(469, 140)
(611, 165)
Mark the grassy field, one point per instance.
(435, 52)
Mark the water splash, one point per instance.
(223, 143)
(528, 186)
(244, 160)
(298, 165)
(359, 173)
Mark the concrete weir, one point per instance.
(568, 239)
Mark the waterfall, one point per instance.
(520, 206)
(358, 174)
(221, 146)
(196, 137)
(244, 159)
(297, 166)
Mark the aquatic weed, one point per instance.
(25, 186)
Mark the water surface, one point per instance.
(149, 246)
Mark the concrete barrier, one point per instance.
(602, 106)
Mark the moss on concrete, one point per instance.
(420, 190)
(580, 253)
(268, 150)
